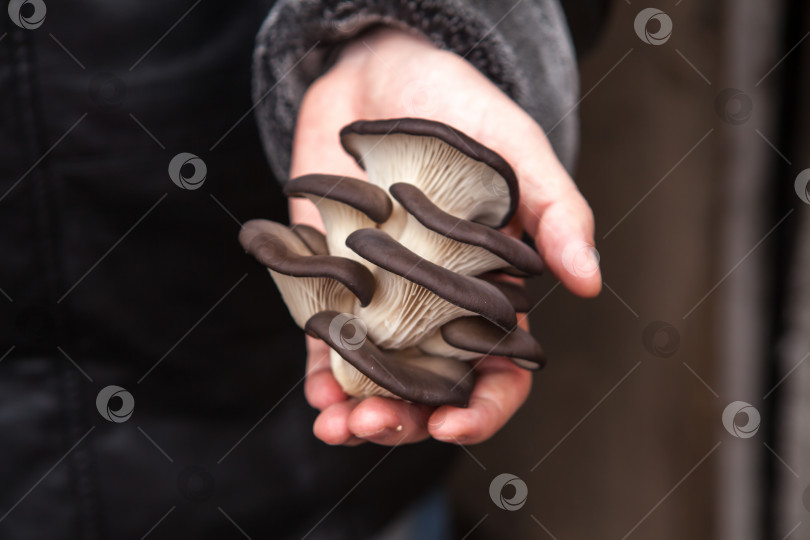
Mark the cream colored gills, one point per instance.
(403, 313)
(464, 259)
(306, 296)
(453, 181)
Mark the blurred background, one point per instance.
(688, 158)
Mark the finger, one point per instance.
(551, 208)
(563, 233)
(331, 426)
(321, 388)
(316, 143)
(501, 388)
(389, 421)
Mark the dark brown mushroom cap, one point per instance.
(465, 292)
(407, 381)
(515, 293)
(312, 237)
(511, 250)
(428, 128)
(367, 198)
(268, 242)
(479, 335)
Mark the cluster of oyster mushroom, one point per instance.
(401, 286)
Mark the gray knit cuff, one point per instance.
(524, 49)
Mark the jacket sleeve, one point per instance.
(523, 47)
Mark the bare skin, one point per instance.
(389, 74)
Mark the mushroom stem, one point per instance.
(340, 221)
(345, 204)
(352, 380)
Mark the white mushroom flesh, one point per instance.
(340, 220)
(402, 313)
(306, 296)
(352, 381)
(456, 183)
(464, 259)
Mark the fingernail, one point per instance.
(437, 419)
(580, 259)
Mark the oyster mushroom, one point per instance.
(408, 374)
(517, 294)
(308, 283)
(345, 204)
(312, 237)
(403, 264)
(415, 296)
(457, 244)
(468, 338)
(459, 175)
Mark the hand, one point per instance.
(389, 74)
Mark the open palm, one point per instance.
(391, 74)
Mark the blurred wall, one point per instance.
(619, 438)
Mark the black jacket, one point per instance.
(113, 275)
